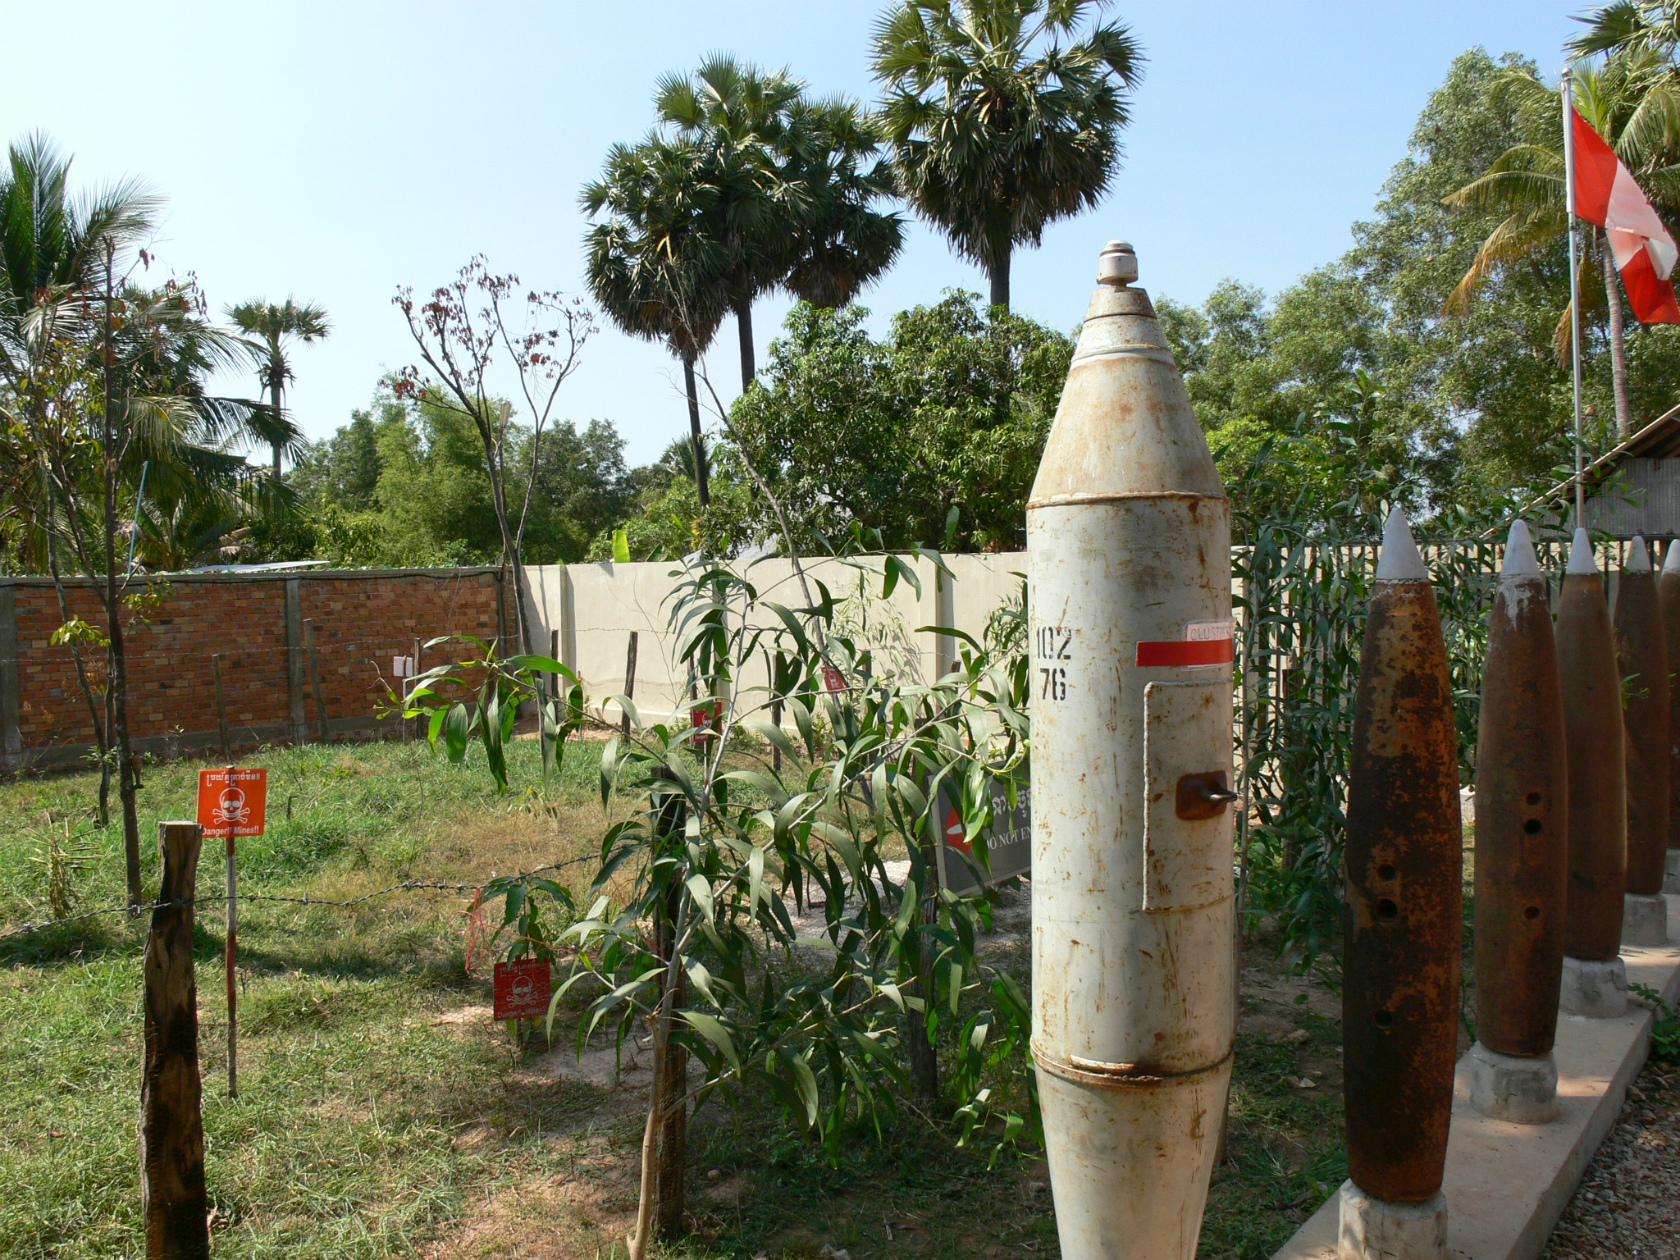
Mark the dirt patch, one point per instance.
(581, 1215)
(604, 1067)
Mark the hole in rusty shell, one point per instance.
(1532, 826)
(1385, 1019)
(1386, 909)
(1534, 798)
(1385, 871)
(1532, 913)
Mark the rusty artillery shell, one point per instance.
(1668, 591)
(1522, 815)
(1642, 663)
(1404, 896)
(1592, 723)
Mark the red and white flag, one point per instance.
(1606, 194)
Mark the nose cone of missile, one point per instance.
(1400, 561)
(1581, 561)
(1522, 811)
(1642, 660)
(1520, 560)
(1403, 862)
(1125, 424)
(1592, 717)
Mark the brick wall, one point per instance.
(360, 620)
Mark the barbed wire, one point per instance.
(407, 885)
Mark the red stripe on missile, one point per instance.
(1181, 652)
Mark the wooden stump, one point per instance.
(173, 1200)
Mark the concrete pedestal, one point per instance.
(1375, 1229)
(1644, 919)
(1596, 990)
(1671, 873)
(1507, 1087)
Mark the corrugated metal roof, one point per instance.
(1658, 440)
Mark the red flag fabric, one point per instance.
(1607, 194)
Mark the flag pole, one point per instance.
(1568, 97)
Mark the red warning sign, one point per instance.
(955, 834)
(232, 802)
(833, 679)
(522, 989)
(706, 718)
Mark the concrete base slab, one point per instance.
(1671, 873)
(1644, 919)
(1593, 990)
(1509, 1087)
(1370, 1228)
(1507, 1184)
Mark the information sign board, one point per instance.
(1008, 840)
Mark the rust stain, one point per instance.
(1642, 659)
(1522, 813)
(1404, 865)
(1592, 717)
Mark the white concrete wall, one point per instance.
(594, 607)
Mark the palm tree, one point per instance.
(276, 328)
(1630, 26)
(793, 186)
(52, 242)
(1001, 119)
(1632, 103)
(656, 263)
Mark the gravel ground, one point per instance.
(1629, 1203)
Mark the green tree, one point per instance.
(948, 415)
(792, 185)
(275, 328)
(656, 263)
(1002, 116)
(1633, 103)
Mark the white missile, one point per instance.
(1128, 541)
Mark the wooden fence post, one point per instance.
(221, 708)
(173, 1201)
(629, 677)
(315, 682)
(419, 651)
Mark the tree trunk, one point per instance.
(275, 391)
(743, 326)
(924, 1055)
(701, 480)
(1618, 341)
(101, 728)
(999, 273)
(670, 1085)
(127, 782)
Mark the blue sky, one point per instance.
(335, 151)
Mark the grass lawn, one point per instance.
(383, 1114)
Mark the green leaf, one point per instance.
(806, 1082)
(700, 888)
(621, 546)
(713, 1030)
(775, 734)
(456, 725)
